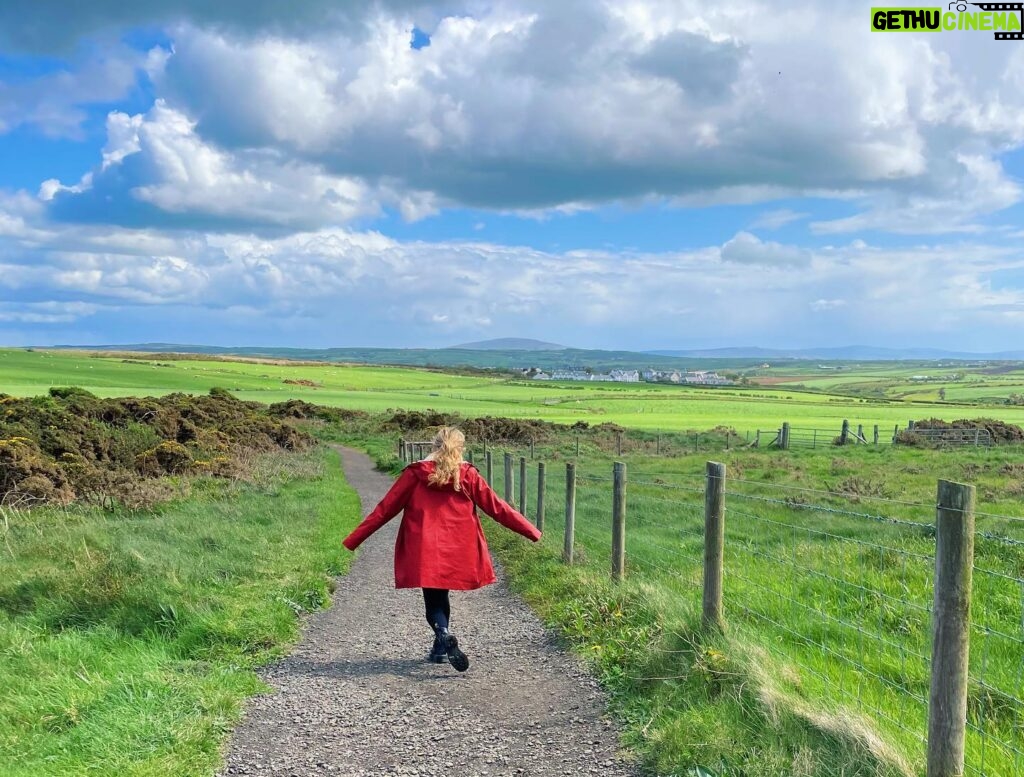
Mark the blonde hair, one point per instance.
(448, 444)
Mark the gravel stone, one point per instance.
(358, 698)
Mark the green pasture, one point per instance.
(899, 381)
(829, 563)
(128, 639)
(376, 389)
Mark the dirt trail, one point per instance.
(357, 696)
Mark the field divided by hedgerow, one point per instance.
(376, 389)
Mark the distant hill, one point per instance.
(509, 344)
(509, 359)
(846, 353)
(489, 359)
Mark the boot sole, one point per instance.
(458, 659)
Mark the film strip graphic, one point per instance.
(1017, 7)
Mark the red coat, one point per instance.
(441, 542)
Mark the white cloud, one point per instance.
(776, 219)
(367, 287)
(532, 107)
(56, 102)
(50, 312)
(827, 304)
(161, 161)
(746, 248)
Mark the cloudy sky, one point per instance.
(623, 174)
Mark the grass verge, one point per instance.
(693, 704)
(128, 640)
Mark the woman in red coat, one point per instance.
(441, 545)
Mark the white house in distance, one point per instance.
(625, 376)
(698, 377)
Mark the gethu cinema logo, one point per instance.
(1003, 19)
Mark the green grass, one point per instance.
(377, 389)
(128, 640)
(824, 669)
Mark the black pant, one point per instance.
(437, 606)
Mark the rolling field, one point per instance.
(828, 593)
(901, 381)
(639, 406)
(829, 551)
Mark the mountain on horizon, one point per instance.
(509, 344)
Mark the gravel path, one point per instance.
(357, 696)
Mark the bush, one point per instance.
(999, 431)
(27, 476)
(70, 443)
(167, 458)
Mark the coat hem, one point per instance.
(449, 586)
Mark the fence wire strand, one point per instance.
(843, 594)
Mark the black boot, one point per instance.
(438, 654)
(458, 659)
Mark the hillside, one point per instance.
(510, 344)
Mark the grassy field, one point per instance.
(127, 641)
(375, 389)
(919, 381)
(823, 670)
(825, 667)
(829, 562)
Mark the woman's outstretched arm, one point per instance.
(392, 504)
(496, 507)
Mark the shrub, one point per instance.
(71, 443)
(27, 476)
(167, 458)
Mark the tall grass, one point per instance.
(128, 640)
(824, 668)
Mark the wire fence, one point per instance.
(841, 597)
(995, 710)
(813, 438)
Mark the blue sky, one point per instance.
(652, 174)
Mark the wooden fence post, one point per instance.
(618, 521)
(533, 451)
(522, 485)
(570, 512)
(618, 443)
(876, 434)
(539, 518)
(814, 440)
(895, 432)
(757, 440)
(860, 433)
(784, 437)
(509, 485)
(577, 446)
(659, 444)
(951, 629)
(401, 448)
(488, 468)
(844, 435)
(714, 545)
